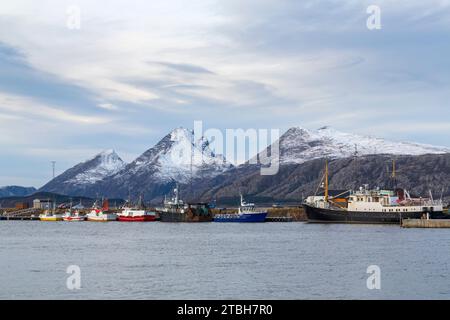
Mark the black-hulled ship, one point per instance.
(369, 206)
(175, 210)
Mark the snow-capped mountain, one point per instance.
(81, 176)
(103, 165)
(177, 157)
(298, 145)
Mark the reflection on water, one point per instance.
(220, 261)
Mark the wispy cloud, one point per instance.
(133, 72)
(184, 67)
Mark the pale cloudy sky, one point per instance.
(137, 69)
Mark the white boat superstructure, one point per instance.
(248, 208)
(131, 212)
(365, 200)
(175, 203)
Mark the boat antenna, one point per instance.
(176, 193)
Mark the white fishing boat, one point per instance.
(73, 216)
(101, 214)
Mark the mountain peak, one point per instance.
(178, 157)
(104, 164)
(107, 152)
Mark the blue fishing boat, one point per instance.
(246, 213)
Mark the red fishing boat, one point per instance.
(138, 213)
(130, 214)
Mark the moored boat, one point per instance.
(130, 215)
(138, 213)
(175, 210)
(247, 212)
(369, 206)
(50, 215)
(73, 216)
(102, 214)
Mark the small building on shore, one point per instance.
(21, 205)
(42, 204)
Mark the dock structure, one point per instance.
(425, 223)
(279, 219)
(25, 214)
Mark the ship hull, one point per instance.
(183, 217)
(50, 218)
(254, 217)
(137, 219)
(320, 215)
(102, 218)
(74, 219)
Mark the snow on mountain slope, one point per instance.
(299, 145)
(171, 158)
(97, 168)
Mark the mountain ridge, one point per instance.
(12, 191)
(157, 170)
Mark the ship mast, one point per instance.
(394, 175)
(326, 180)
(393, 169)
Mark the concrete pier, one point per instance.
(425, 223)
(279, 219)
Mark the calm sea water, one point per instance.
(220, 261)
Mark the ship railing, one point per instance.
(417, 203)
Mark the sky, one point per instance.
(131, 71)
